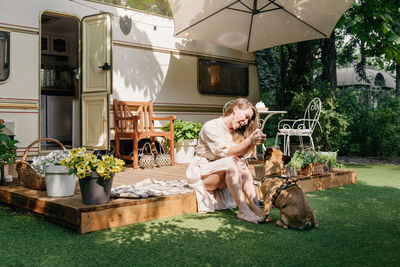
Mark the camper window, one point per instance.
(4, 55)
(223, 78)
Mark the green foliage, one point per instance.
(367, 34)
(300, 159)
(184, 130)
(7, 148)
(354, 122)
(268, 73)
(372, 29)
(296, 162)
(160, 7)
(82, 164)
(333, 130)
(373, 123)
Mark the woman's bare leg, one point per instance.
(233, 179)
(234, 183)
(215, 181)
(250, 191)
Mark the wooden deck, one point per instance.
(131, 176)
(70, 211)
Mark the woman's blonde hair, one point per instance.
(245, 131)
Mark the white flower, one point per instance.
(39, 163)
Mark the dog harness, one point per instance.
(287, 184)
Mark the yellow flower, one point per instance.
(82, 163)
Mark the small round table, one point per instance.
(269, 114)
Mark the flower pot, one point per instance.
(259, 171)
(58, 182)
(291, 171)
(95, 190)
(184, 151)
(328, 164)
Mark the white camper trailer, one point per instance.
(63, 61)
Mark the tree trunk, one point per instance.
(283, 75)
(2, 178)
(163, 6)
(328, 58)
(304, 64)
(398, 79)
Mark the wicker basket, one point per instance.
(162, 158)
(312, 168)
(29, 176)
(146, 160)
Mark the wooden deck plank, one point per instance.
(70, 211)
(131, 176)
(38, 202)
(110, 218)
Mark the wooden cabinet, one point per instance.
(45, 44)
(54, 45)
(59, 45)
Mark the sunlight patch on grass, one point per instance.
(212, 224)
(379, 175)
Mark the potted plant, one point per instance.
(95, 175)
(309, 162)
(59, 183)
(185, 136)
(7, 151)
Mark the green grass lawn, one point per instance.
(359, 226)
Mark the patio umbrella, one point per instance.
(250, 25)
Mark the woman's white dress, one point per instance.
(211, 156)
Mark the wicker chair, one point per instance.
(301, 127)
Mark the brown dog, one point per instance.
(285, 194)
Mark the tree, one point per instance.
(328, 60)
(374, 29)
(160, 7)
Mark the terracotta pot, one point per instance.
(95, 190)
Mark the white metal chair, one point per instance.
(300, 127)
(226, 105)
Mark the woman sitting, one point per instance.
(218, 171)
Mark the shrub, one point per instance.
(331, 136)
(184, 130)
(7, 148)
(373, 123)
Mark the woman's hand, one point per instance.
(257, 137)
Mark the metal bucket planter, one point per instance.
(184, 151)
(291, 171)
(95, 190)
(259, 171)
(58, 182)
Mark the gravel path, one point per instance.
(367, 160)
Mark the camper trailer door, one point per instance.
(96, 80)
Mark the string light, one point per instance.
(155, 26)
